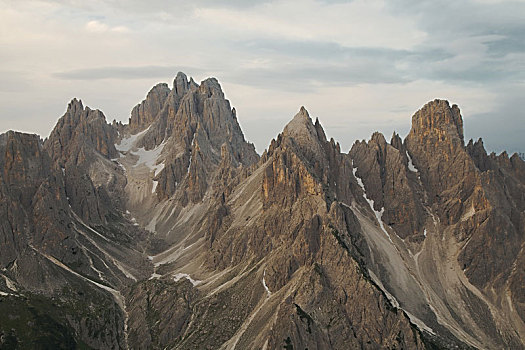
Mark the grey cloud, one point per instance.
(304, 78)
(330, 50)
(503, 128)
(140, 72)
(313, 63)
(499, 133)
(512, 42)
(140, 7)
(328, 63)
(448, 20)
(481, 73)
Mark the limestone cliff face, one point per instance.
(176, 234)
(436, 141)
(480, 194)
(390, 183)
(40, 248)
(79, 139)
(192, 123)
(456, 200)
(301, 161)
(78, 132)
(34, 201)
(145, 113)
(310, 247)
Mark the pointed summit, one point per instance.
(211, 87)
(180, 84)
(75, 106)
(146, 112)
(303, 135)
(303, 112)
(80, 129)
(301, 126)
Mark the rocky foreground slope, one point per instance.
(172, 232)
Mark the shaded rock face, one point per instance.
(171, 300)
(174, 233)
(436, 141)
(145, 113)
(302, 235)
(39, 242)
(78, 132)
(193, 122)
(79, 138)
(390, 183)
(482, 195)
(34, 202)
(432, 184)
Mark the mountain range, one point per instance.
(171, 232)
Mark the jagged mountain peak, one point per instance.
(180, 84)
(378, 138)
(211, 88)
(146, 112)
(75, 106)
(440, 119)
(160, 87)
(301, 128)
(77, 112)
(314, 235)
(78, 127)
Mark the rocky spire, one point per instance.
(436, 138)
(180, 84)
(147, 111)
(193, 118)
(383, 170)
(79, 132)
(437, 122)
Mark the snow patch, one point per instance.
(191, 153)
(127, 143)
(411, 166)
(379, 214)
(180, 276)
(154, 187)
(150, 158)
(264, 284)
(10, 284)
(155, 276)
(134, 221)
(189, 163)
(425, 233)
(158, 168)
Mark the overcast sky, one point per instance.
(359, 66)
